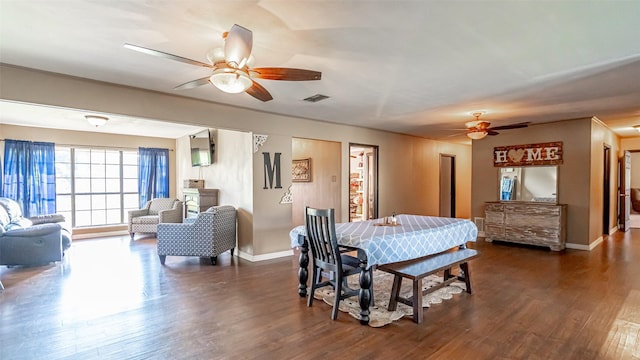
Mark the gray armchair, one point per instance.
(208, 235)
(159, 210)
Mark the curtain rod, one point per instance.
(93, 146)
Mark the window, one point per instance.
(96, 186)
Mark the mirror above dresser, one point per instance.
(528, 183)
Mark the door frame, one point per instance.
(624, 191)
(373, 183)
(451, 184)
(606, 190)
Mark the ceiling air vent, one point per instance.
(316, 98)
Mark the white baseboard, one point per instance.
(263, 257)
(99, 234)
(585, 247)
(479, 221)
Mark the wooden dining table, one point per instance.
(377, 243)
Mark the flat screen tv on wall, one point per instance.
(202, 148)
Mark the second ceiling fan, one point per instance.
(232, 66)
(478, 129)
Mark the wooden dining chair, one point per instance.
(321, 236)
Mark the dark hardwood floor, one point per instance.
(111, 299)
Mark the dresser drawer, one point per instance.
(494, 232)
(532, 235)
(527, 220)
(494, 218)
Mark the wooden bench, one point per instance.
(420, 268)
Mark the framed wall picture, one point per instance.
(301, 170)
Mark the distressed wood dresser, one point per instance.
(534, 223)
(198, 200)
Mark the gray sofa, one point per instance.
(31, 241)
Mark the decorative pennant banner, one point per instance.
(528, 155)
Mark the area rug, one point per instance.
(382, 282)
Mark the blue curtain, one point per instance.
(153, 174)
(29, 176)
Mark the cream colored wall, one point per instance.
(635, 170)
(576, 179)
(632, 144)
(428, 161)
(408, 166)
(230, 173)
(325, 188)
(87, 138)
(272, 216)
(629, 144)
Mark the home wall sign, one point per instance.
(528, 155)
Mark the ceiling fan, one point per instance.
(232, 66)
(478, 129)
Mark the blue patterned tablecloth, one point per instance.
(416, 236)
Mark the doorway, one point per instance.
(624, 192)
(363, 182)
(631, 208)
(447, 185)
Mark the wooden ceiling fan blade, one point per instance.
(193, 84)
(512, 126)
(259, 92)
(458, 134)
(237, 46)
(289, 74)
(166, 55)
(491, 132)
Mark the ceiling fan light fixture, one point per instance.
(477, 135)
(95, 120)
(231, 81)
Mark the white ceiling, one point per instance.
(416, 67)
(73, 119)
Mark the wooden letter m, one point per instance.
(271, 169)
